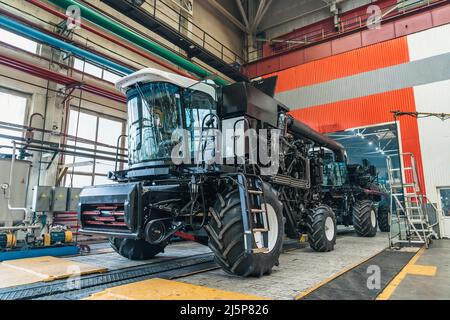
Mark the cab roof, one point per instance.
(149, 75)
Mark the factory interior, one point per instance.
(246, 150)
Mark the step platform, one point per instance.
(162, 289)
(42, 269)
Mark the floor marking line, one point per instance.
(410, 268)
(327, 280)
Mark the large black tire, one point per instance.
(135, 249)
(384, 222)
(365, 218)
(226, 235)
(321, 236)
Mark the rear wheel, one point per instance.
(384, 218)
(135, 249)
(321, 226)
(365, 218)
(226, 234)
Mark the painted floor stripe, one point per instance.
(308, 291)
(411, 268)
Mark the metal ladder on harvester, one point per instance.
(409, 217)
(254, 213)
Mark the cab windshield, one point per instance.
(157, 110)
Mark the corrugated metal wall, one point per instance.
(437, 16)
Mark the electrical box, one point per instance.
(73, 197)
(42, 197)
(59, 199)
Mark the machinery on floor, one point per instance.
(30, 230)
(354, 194)
(183, 176)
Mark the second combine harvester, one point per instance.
(244, 207)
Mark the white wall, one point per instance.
(434, 133)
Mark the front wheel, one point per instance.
(226, 235)
(321, 226)
(384, 218)
(365, 218)
(135, 249)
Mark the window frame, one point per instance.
(28, 97)
(72, 170)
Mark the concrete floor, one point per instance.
(420, 287)
(299, 269)
(102, 255)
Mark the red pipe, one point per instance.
(112, 39)
(59, 78)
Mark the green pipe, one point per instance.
(127, 34)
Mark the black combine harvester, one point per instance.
(354, 194)
(244, 205)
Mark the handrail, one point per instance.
(345, 26)
(162, 11)
(117, 150)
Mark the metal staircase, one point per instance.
(409, 216)
(254, 214)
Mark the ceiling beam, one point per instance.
(261, 16)
(228, 15)
(261, 6)
(243, 14)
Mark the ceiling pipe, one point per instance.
(127, 34)
(33, 69)
(59, 37)
(112, 39)
(39, 36)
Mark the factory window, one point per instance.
(91, 135)
(13, 110)
(111, 77)
(93, 70)
(445, 201)
(18, 41)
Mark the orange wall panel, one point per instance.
(366, 59)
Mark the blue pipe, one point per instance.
(39, 36)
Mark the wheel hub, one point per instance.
(273, 229)
(373, 218)
(329, 228)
